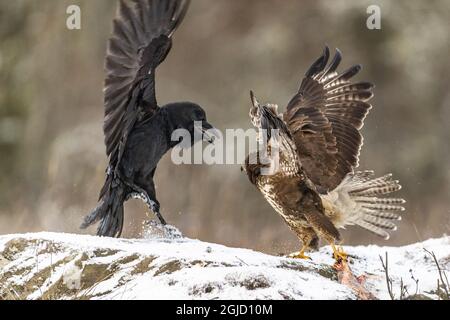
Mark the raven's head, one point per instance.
(192, 118)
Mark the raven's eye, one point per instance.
(199, 115)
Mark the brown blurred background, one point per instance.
(52, 156)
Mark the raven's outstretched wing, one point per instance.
(140, 41)
(325, 117)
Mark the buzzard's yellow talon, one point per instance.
(301, 255)
(339, 254)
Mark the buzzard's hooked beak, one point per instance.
(255, 102)
(255, 112)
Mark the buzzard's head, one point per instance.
(258, 111)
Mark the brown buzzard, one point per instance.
(315, 188)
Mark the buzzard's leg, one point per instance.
(301, 254)
(338, 253)
(309, 239)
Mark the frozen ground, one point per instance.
(168, 266)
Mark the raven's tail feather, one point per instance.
(109, 209)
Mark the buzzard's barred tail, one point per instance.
(359, 197)
(109, 209)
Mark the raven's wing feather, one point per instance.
(140, 41)
(325, 117)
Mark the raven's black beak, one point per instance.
(208, 132)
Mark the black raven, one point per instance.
(137, 131)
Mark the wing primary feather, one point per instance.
(343, 77)
(140, 41)
(319, 64)
(332, 67)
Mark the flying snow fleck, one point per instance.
(155, 230)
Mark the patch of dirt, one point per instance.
(250, 283)
(105, 252)
(143, 266)
(200, 290)
(254, 283)
(14, 247)
(170, 267)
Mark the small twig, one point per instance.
(415, 280)
(124, 290)
(438, 290)
(446, 279)
(390, 283)
(36, 251)
(443, 280)
(241, 260)
(388, 278)
(403, 290)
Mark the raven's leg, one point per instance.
(153, 204)
(144, 189)
(149, 200)
(149, 194)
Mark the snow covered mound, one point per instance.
(64, 266)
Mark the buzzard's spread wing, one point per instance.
(325, 117)
(140, 41)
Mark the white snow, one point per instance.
(66, 266)
(72, 277)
